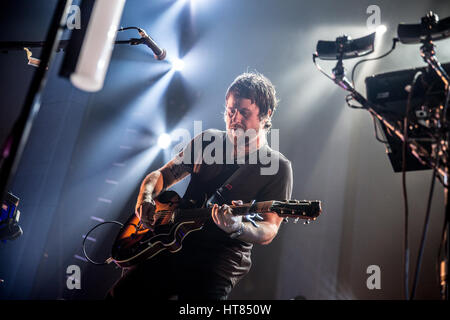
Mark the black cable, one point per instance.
(128, 28)
(85, 237)
(405, 194)
(348, 98)
(376, 130)
(394, 42)
(315, 56)
(405, 202)
(424, 234)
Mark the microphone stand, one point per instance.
(14, 144)
(418, 151)
(19, 45)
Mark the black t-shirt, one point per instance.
(263, 175)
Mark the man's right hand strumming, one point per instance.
(145, 205)
(145, 211)
(153, 184)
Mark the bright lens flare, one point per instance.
(381, 29)
(164, 141)
(178, 64)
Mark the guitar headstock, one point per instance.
(302, 209)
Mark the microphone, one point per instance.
(160, 54)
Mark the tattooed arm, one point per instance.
(159, 180)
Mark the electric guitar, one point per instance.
(172, 224)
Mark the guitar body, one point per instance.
(132, 246)
(173, 221)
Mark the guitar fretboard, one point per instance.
(238, 210)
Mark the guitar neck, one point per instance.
(237, 210)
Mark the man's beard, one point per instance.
(243, 140)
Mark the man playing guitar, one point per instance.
(214, 259)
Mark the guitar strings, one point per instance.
(163, 214)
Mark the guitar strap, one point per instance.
(235, 185)
(220, 195)
(230, 188)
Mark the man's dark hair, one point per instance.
(258, 89)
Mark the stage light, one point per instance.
(178, 64)
(345, 47)
(381, 29)
(164, 141)
(97, 45)
(431, 27)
